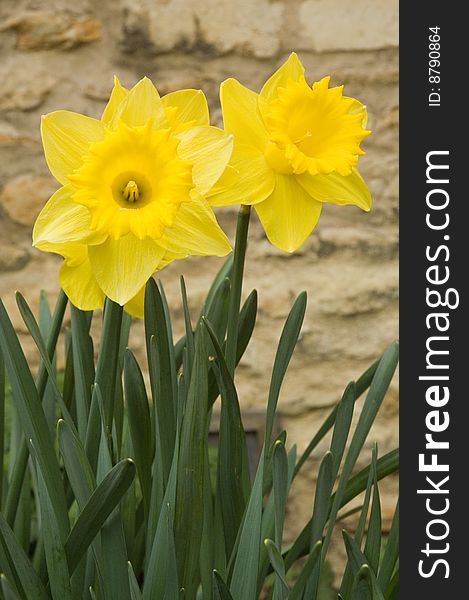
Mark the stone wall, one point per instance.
(58, 54)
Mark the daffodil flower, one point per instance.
(134, 191)
(295, 147)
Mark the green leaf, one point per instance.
(161, 559)
(281, 588)
(77, 466)
(135, 592)
(322, 497)
(348, 579)
(376, 393)
(32, 419)
(232, 468)
(106, 368)
(100, 505)
(358, 561)
(392, 590)
(361, 385)
(190, 480)
(93, 429)
(280, 487)
(2, 424)
(391, 553)
(35, 332)
(246, 323)
(302, 581)
(162, 373)
(56, 558)
(83, 365)
(188, 325)
(220, 589)
(247, 320)
(342, 426)
(373, 536)
(114, 552)
(15, 563)
(139, 424)
(387, 464)
(224, 273)
(7, 589)
(287, 343)
(243, 585)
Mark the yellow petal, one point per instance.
(195, 231)
(143, 103)
(79, 283)
(191, 106)
(209, 150)
(66, 137)
(337, 189)
(241, 114)
(74, 252)
(292, 69)
(289, 214)
(228, 179)
(255, 180)
(135, 305)
(122, 267)
(62, 220)
(111, 112)
(357, 107)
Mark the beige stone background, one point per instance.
(62, 55)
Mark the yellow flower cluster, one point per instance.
(138, 185)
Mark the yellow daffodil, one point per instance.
(295, 147)
(134, 191)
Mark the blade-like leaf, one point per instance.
(139, 424)
(102, 502)
(232, 469)
(190, 481)
(387, 464)
(56, 558)
(220, 589)
(188, 325)
(32, 419)
(358, 561)
(106, 368)
(23, 576)
(300, 585)
(281, 588)
(391, 553)
(162, 373)
(373, 537)
(376, 393)
(243, 585)
(287, 343)
(135, 592)
(361, 385)
(280, 487)
(83, 365)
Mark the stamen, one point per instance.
(131, 191)
(308, 134)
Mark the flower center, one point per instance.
(131, 192)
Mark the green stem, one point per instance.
(236, 285)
